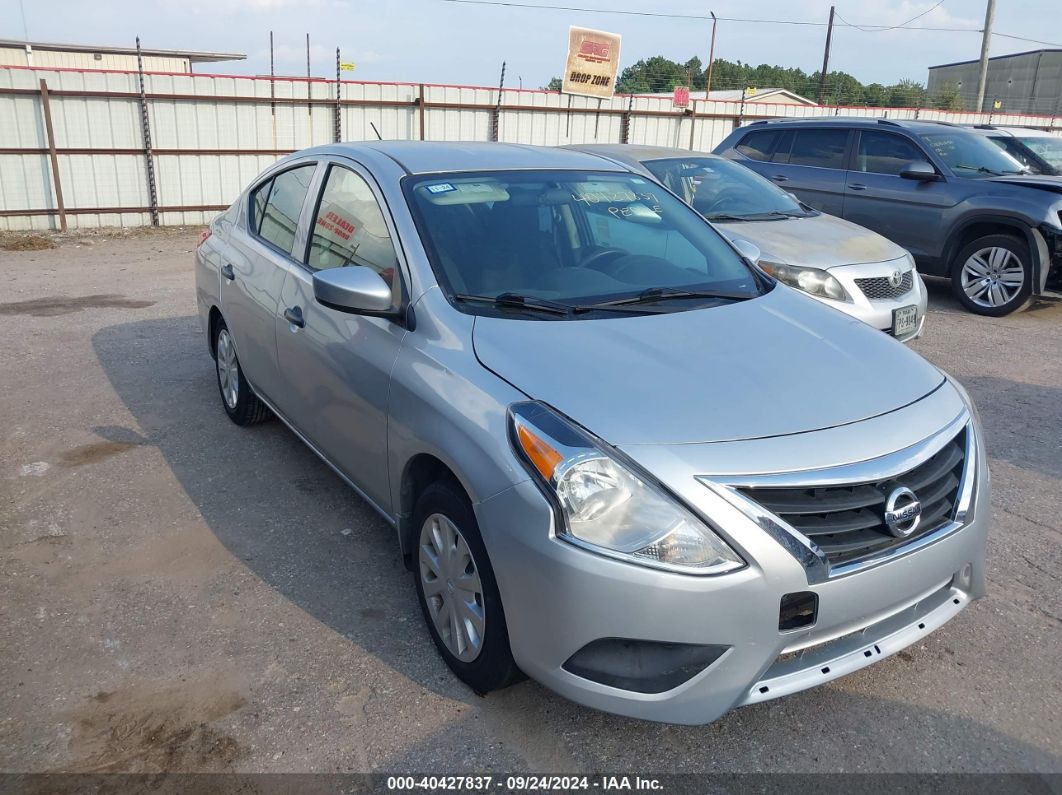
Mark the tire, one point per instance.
(985, 275)
(239, 400)
(443, 519)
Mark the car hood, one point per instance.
(818, 241)
(779, 364)
(1043, 182)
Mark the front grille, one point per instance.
(879, 288)
(848, 522)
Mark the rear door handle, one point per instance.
(228, 272)
(293, 314)
(780, 178)
(857, 186)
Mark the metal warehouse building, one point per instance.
(95, 56)
(1026, 82)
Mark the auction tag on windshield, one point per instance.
(442, 187)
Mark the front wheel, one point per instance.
(458, 593)
(993, 275)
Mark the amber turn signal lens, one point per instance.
(544, 457)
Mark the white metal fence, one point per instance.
(211, 134)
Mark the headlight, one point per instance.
(811, 280)
(606, 505)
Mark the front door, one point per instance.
(336, 366)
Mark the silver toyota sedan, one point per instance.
(841, 264)
(618, 456)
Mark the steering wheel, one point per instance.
(719, 201)
(595, 259)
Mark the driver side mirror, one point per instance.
(920, 171)
(748, 250)
(356, 289)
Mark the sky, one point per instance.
(447, 42)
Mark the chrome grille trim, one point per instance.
(878, 288)
(803, 548)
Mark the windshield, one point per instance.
(972, 155)
(721, 190)
(550, 241)
(1050, 149)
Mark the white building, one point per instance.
(94, 56)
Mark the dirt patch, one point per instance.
(93, 453)
(66, 305)
(25, 241)
(146, 729)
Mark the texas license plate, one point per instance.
(904, 320)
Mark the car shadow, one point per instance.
(293, 522)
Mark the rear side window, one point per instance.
(760, 144)
(821, 148)
(349, 228)
(278, 204)
(885, 153)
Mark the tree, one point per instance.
(554, 84)
(948, 97)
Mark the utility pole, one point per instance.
(986, 42)
(711, 58)
(826, 56)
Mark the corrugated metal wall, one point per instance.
(212, 134)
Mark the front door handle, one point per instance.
(857, 186)
(228, 272)
(780, 178)
(293, 314)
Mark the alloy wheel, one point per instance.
(992, 277)
(452, 587)
(228, 369)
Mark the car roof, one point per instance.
(1025, 132)
(639, 152)
(427, 157)
(861, 122)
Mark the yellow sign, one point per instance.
(750, 91)
(593, 60)
(997, 104)
(346, 67)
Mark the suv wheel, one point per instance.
(241, 404)
(458, 593)
(993, 275)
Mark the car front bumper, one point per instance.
(878, 312)
(559, 598)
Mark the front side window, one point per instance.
(277, 205)
(821, 148)
(570, 238)
(720, 189)
(885, 153)
(349, 228)
(971, 155)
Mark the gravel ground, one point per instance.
(180, 594)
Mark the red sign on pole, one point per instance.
(682, 97)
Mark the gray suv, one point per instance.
(962, 206)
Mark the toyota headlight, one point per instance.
(608, 506)
(813, 281)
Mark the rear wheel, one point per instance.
(241, 404)
(993, 275)
(458, 593)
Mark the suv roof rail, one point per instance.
(889, 122)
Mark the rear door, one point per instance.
(336, 366)
(809, 162)
(908, 212)
(252, 279)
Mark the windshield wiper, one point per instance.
(518, 301)
(725, 217)
(654, 294)
(770, 215)
(980, 169)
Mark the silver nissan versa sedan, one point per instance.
(619, 457)
(843, 265)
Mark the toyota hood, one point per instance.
(818, 241)
(779, 364)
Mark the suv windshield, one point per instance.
(971, 155)
(1048, 148)
(563, 244)
(721, 190)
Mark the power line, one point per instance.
(880, 28)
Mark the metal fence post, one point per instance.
(420, 110)
(339, 123)
(625, 125)
(46, 108)
(495, 120)
(153, 196)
